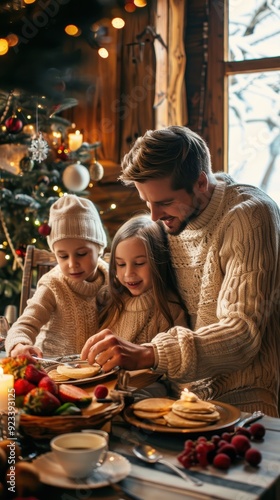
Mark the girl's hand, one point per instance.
(110, 352)
(26, 350)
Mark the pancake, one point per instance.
(57, 377)
(84, 371)
(194, 407)
(150, 415)
(205, 417)
(153, 405)
(174, 420)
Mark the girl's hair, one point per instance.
(163, 276)
(174, 151)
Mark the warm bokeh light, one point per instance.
(140, 3)
(95, 27)
(118, 23)
(4, 46)
(29, 1)
(12, 39)
(72, 30)
(103, 52)
(130, 7)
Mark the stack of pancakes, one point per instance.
(190, 412)
(64, 372)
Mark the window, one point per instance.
(242, 112)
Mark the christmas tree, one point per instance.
(36, 167)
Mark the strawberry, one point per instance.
(73, 394)
(22, 387)
(48, 384)
(40, 402)
(34, 374)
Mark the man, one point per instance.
(224, 238)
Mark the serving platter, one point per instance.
(230, 415)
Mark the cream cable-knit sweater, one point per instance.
(61, 315)
(139, 323)
(227, 263)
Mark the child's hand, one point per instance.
(110, 351)
(26, 350)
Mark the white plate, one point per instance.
(115, 468)
(80, 381)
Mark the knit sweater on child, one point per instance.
(228, 267)
(139, 322)
(61, 315)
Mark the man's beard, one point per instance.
(185, 222)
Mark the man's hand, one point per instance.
(25, 350)
(110, 351)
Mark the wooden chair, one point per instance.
(37, 262)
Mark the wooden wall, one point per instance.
(155, 76)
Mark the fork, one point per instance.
(256, 415)
(56, 361)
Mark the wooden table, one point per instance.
(155, 482)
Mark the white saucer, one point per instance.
(115, 468)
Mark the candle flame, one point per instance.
(1, 371)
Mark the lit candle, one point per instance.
(6, 384)
(75, 140)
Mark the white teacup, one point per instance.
(79, 453)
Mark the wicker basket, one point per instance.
(48, 427)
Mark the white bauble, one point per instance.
(76, 177)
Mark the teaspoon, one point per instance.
(150, 455)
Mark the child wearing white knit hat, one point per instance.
(63, 312)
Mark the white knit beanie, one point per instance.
(75, 217)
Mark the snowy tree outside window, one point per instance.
(254, 96)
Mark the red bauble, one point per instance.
(62, 152)
(21, 252)
(13, 124)
(44, 229)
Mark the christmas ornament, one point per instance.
(21, 251)
(62, 152)
(26, 164)
(13, 124)
(44, 229)
(43, 179)
(76, 177)
(96, 171)
(3, 260)
(39, 148)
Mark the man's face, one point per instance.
(174, 208)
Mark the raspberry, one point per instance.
(100, 391)
(257, 431)
(229, 450)
(253, 456)
(226, 436)
(222, 461)
(241, 443)
(244, 432)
